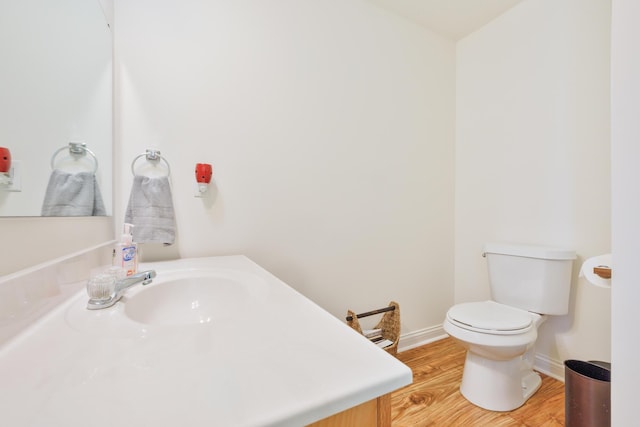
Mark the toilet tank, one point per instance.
(533, 278)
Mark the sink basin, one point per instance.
(193, 296)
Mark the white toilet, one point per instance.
(527, 283)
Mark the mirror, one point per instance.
(56, 86)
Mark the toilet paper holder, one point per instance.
(602, 271)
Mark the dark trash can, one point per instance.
(587, 393)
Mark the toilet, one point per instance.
(527, 284)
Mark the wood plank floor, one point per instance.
(434, 398)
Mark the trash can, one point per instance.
(587, 393)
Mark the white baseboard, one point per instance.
(543, 364)
(550, 367)
(421, 337)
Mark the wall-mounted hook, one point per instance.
(76, 150)
(152, 156)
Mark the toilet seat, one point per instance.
(490, 317)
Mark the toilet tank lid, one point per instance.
(529, 251)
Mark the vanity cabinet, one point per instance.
(374, 413)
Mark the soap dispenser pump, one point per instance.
(125, 254)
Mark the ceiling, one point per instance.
(453, 19)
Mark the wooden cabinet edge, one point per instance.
(376, 412)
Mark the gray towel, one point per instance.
(150, 210)
(72, 194)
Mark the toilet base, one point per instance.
(498, 385)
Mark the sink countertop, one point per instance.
(280, 360)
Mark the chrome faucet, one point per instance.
(98, 298)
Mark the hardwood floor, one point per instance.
(435, 400)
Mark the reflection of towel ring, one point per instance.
(78, 149)
(151, 156)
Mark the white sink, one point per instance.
(193, 296)
(193, 347)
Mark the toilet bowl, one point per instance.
(527, 284)
(497, 376)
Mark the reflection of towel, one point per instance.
(150, 210)
(72, 194)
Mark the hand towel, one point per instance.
(150, 210)
(72, 194)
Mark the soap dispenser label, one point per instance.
(128, 253)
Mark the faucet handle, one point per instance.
(101, 287)
(117, 272)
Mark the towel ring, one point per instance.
(151, 156)
(77, 149)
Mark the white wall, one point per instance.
(533, 153)
(625, 152)
(331, 136)
(330, 126)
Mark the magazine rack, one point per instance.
(390, 324)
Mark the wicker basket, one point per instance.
(390, 324)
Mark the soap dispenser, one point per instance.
(125, 254)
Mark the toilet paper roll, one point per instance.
(587, 270)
